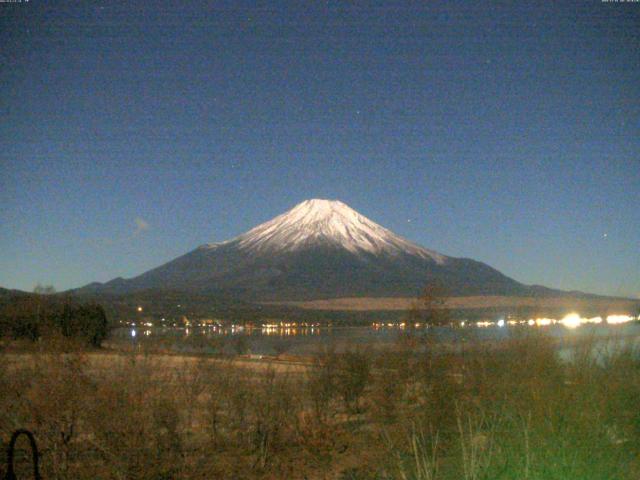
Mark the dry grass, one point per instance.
(515, 412)
(472, 302)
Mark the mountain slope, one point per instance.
(318, 249)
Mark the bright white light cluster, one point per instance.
(572, 320)
(615, 319)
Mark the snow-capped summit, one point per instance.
(328, 222)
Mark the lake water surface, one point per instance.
(307, 340)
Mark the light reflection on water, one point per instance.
(302, 340)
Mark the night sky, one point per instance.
(507, 132)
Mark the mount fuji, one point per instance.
(318, 249)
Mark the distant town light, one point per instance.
(543, 322)
(571, 320)
(616, 319)
(139, 309)
(501, 322)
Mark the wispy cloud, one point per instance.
(141, 226)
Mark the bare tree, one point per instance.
(429, 307)
(44, 289)
(353, 376)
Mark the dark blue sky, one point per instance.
(508, 132)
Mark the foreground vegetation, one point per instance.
(409, 412)
(42, 316)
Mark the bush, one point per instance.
(352, 378)
(35, 316)
(88, 322)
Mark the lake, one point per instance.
(307, 340)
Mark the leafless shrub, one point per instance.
(353, 374)
(321, 383)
